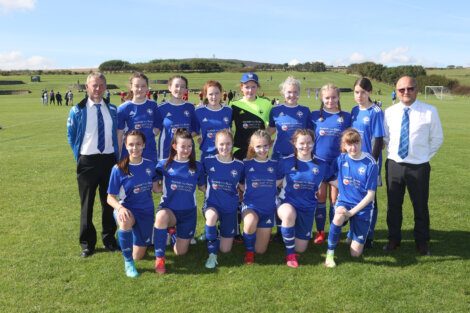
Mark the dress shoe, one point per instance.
(391, 245)
(112, 247)
(423, 248)
(86, 253)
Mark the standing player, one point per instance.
(286, 118)
(303, 176)
(259, 198)
(328, 124)
(224, 173)
(179, 175)
(174, 114)
(140, 114)
(130, 194)
(357, 181)
(211, 117)
(249, 113)
(368, 119)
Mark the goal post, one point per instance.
(440, 92)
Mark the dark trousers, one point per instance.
(93, 172)
(414, 177)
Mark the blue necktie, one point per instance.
(404, 134)
(100, 128)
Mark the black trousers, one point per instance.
(415, 178)
(93, 172)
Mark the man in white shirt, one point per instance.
(413, 134)
(92, 135)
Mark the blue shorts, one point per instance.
(304, 223)
(142, 231)
(359, 225)
(264, 220)
(227, 222)
(185, 222)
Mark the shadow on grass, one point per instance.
(444, 246)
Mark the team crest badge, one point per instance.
(150, 111)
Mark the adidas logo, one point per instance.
(251, 170)
(212, 169)
(269, 221)
(204, 120)
(168, 114)
(345, 164)
(360, 237)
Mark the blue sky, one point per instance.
(49, 34)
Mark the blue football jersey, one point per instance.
(328, 128)
(222, 182)
(260, 185)
(172, 117)
(134, 190)
(209, 122)
(143, 117)
(355, 178)
(301, 182)
(370, 124)
(287, 120)
(179, 184)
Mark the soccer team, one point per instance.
(327, 152)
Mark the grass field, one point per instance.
(41, 270)
(461, 74)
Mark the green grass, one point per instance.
(461, 74)
(39, 218)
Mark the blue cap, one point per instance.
(246, 77)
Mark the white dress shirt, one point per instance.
(90, 139)
(425, 132)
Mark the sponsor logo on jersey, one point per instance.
(234, 173)
(136, 189)
(215, 186)
(254, 185)
(296, 186)
(210, 135)
(321, 132)
(173, 186)
(138, 126)
(361, 171)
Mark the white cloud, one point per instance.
(11, 5)
(357, 57)
(14, 60)
(398, 55)
(293, 62)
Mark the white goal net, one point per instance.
(440, 92)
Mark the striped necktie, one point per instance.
(404, 134)
(100, 127)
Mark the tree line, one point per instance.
(206, 66)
